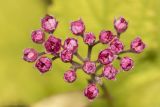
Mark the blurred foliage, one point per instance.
(64, 100)
(20, 83)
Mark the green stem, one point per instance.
(97, 42)
(75, 63)
(89, 52)
(99, 67)
(41, 53)
(55, 57)
(107, 95)
(79, 56)
(126, 51)
(90, 49)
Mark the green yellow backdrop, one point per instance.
(20, 83)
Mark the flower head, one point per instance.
(137, 45)
(30, 54)
(116, 46)
(71, 44)
(49, 23)
(53, 45)
(91, 91)
(106, 56)
(114, 49)
(110, 72)
(66, 55)
(38, 36)
(126, 63)
(105, 36)
(43, 64)
(77, 27)
(89, 38)
(89, 67)
(120, 25)
(70, 76)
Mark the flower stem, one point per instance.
(92, 79)
(89, 52)
(106, 94)
(55, 57)
(79, 56)
(41, 53)
(118, 35)
(119, 58)
(90, 49)
(75, 67)
(99, 67)
(97, 42)
(126, 51)
(74, 63)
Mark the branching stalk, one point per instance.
(89, 52)
(126, 51)
(55, 57)
(79, 56)
(41, 53)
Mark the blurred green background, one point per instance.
(22, 85)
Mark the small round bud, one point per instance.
(91, 91)
(53, 45)
(137, 45)
(105, 36)
(70, 76)
(78, 27)
(71, 44)
(116, 46)
(66, 55)
(126, 63)
(43, 64)
(120, 25)
(49, 23)
(89, 67)
(106, 56)
(89, 38)
(110, 72)
(30, 54)
(38, 36)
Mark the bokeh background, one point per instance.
(22, 86)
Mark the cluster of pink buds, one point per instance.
(69, 49)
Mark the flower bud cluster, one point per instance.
(69, 49)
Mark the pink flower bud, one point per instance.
(91, 91)
(126, 63)
(38, 36)
(30, 54)
(71, 44)
(70, 76)
(120, 25)
(137, 45)
(66, 55)
(110, 72)
(89, 67)
(53, 45)
(78, 27)
(116, 46)
(106, 56)
(49, 23)
(43, 64)
(105, 36)
(89, 38)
